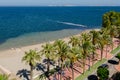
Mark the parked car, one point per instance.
(104, 66)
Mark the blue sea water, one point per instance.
(21, 26)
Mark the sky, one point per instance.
(60, 2)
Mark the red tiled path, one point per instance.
(78, 68)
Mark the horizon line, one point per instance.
(59, 6)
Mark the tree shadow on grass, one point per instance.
(113, 62)
(92, 77)
(24, 73)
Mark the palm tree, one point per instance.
(107, 38)
(86, 48)
(111, 21)
(74, 41)
(108, 41)
(62, 49)
(102, 42)
(112, 31)
(106, 20)
(49, 52)
(31, 57)
(73, 56)
(85, 36)
(111, 18)
(94, 38)
(118, 31)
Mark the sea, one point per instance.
(23, 26)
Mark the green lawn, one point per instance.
(93, 68)
(115, 50)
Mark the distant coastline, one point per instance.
(58, 6)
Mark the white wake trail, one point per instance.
(72, 24)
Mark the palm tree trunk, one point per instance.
(112, 43)
(93, 57)
(72, 71)
(106, 50)
(48, 67)
(89, 62)
(101, 53)
(83, 66)
(58, 76)
(61, 71)
(93, 54)
(31, 72)
(59, 67)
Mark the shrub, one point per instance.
(103, 73)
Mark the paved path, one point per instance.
(111, 68)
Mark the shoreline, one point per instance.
(39, 43)
(10, 59)
(35, 38)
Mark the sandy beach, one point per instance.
(10, 60)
